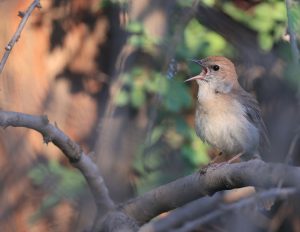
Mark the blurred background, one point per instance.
(110, 74)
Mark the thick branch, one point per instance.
(228, 176)
(226, 209)
(202, 211)
(188, 212)
(16, 36)
(51, 133)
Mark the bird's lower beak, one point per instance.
(198, 77)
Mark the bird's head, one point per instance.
(217, 71)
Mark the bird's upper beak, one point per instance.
(197, 61)
(201, 76)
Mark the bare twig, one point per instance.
(24, 15)
(292, 33)
(72, 150)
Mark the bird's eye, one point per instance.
(216, 67)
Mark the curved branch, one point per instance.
(51, 133)
(228, 176)
(202, 211)
(226, 209)
(24, 15)
(188, 212)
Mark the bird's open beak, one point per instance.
(201, 76)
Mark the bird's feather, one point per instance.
(253, 114)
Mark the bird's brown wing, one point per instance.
(253, 114)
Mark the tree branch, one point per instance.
(293, 38)
(24, 15)
(205, 210)
(226, 209)
(164, 198)
(194, 209)
(228, 176)
(51, 133)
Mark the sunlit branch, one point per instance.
(24, 15)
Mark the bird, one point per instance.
(227, 116)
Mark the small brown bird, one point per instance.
(227, 117)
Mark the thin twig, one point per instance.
(24, 15)
(51, 133)
(225, 209)
(292, 33)
(289, 158)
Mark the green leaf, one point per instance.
(177, 96)
(279, 11)
(122, 98)
(38, 174)
(192, 36)
(265, 41)
(157, 84)
(262, 25)
(135, 27)
(137, 97)
(136, 41)
(185, 3)
(156, 134)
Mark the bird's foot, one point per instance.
(234, 158)
(212, 165)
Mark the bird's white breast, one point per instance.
(222, 122)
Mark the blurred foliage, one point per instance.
(141, 83)
(267, 18)
(61, 183)
(201, 42)
(140, 39)
(210, 42)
